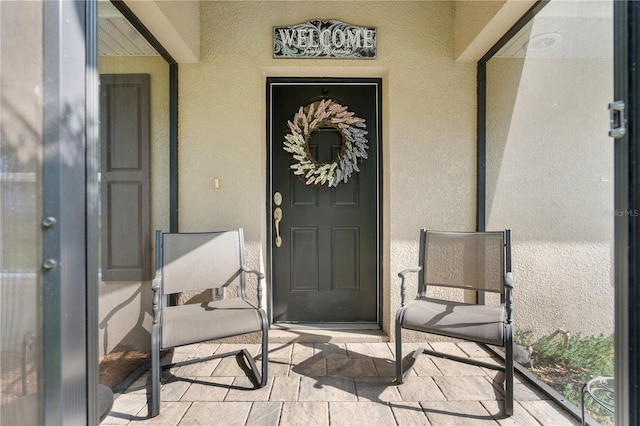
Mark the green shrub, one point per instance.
(567, 362)
(591, 354)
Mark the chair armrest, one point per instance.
(508, 280)
(155, 286)
(508, 292)
(248, 270)
(260, 276)
(403, 288)
(403, 274)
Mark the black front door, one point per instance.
(325, 262)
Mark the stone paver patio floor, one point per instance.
(333, 384)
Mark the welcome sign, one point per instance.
(324, 39)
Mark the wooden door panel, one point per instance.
(305, 274)
(303, 195)
(345, 262)
(346, 195)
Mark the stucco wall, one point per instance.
(550, 179)
(480, 24)
(125, 307)
(429, 120)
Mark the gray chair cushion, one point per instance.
(187, 324)
(466, 321)
(105, 401)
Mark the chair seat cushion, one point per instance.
(198, 322)
(455, 319)
(105, 401)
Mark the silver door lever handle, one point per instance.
(277, 217)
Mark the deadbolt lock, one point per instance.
(277, 198)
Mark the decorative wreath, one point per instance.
(326, 113)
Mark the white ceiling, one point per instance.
(117, 37)
(565, 29)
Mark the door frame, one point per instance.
(626, 17)
(278, 81)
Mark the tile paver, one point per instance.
(369, 350)
(222, 413)
(547, 414)
(377, 389)
(352, 413)
(467, 388)
(264, 413)
(333, 384)
(277, 366)
(285, 388)
(125, 408)
(310, 367)
(182, 353)
(453, 368)
(140, 384)
(174, 388)
(351, 367)
(330, 350)
(243, 389)
(448, 348)
(420, 389)
(408, 413)
(305, 413)
(385, 367)
(473, 350)
(171, 413)
(197, 369)
(520, 417)
(281, 350)
(425, 366)
(230, 366)
(207, 389)
(302, 351)
(327, 389)
(202, 368)
(457, 413)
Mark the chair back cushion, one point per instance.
(199, 261)
(468, 260)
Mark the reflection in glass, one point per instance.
(21, 154)
(550, 179)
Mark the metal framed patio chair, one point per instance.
(195, 262)
(477, 261)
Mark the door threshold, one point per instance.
(326, 326)
(323, 334)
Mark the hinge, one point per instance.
(617, 121)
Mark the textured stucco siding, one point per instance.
(550, 179)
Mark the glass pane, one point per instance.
(550, 179)
(20, 247)
(123, 342)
